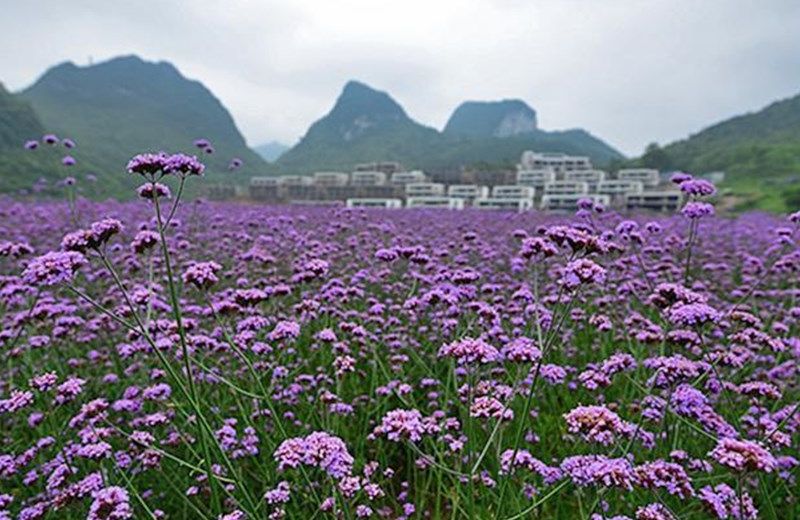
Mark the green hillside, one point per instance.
(760, 153)
(121, 107)
(21, 168)
(364, 125)
(18, 121)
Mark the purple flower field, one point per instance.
(183, 359)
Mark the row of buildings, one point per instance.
(542, 180)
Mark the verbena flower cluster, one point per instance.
(221, 361)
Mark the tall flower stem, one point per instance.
(176, 311)
(194, 404)
(692, 233)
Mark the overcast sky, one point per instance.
(629, 71)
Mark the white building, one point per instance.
(294, 180)
(535, 178)
(647, 176)
(435, 202)
(263, 182)
(513, 191)
(468, 191)
(375, 203)
(331, 178)
(619, 187)
(315, 202)
(558, 162)
(409, 177)
(264, 188)
(367, 178)
(654, 200)
(590, 176)
(515, 204)
(566, 188)
(569, 202)
(424, 189)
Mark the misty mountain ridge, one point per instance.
(504, 118)
(366, 125)
(126, 105)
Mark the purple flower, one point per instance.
(183, 165)
(586, 470)
(485, 407)
(398, 425)
(601, 425)
(386, 255)
(68, 160)
(583, 271)
(15, 249)
(202, 274)
(44, 382)
(695, 210)
(31, 145)
(469, 351)
(724, 503)
(320, 449)
(512, 459)
(742, 455)
(144, 240)
(522, 350)
(50, 139)
(148, 164)
(680, 177)
(698, 187)
(18, 400)
(673, 369)
(537, 247)
(152, 165)
(111, 503)
(690, 402)
(693, 314)
(53, 268)
(103, 230)
(654, 511)
(279, 495)
(152, 190)
(69, 390)
(285, 330)
(666, 475)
